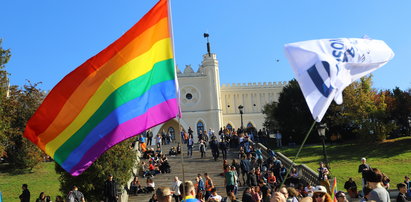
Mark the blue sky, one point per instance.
(49, 38)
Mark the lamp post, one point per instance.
(321, 132)
(409, 125)
(241, 115)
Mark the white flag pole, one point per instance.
(170, 22)
(298, 153)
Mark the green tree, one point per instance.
(18, 107)
(363, 113)
(4, 83)
(290, 115)
(399, 110)
(119, 161)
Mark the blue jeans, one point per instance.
(189, 150)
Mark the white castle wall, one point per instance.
(217, 105)
(253, 97)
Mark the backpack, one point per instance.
(71, 197)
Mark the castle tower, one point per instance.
(210, 65)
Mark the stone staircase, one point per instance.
(192, 166)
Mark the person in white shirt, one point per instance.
(309, 189)
(215, 196)
(176, 189)
(278, 138)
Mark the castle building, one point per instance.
(206, 104)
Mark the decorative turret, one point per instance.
(188, 69)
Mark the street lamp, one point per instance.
(241, 115)
(321, 132)
(409, 125)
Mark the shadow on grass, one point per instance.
(354, 151)
(8, 170)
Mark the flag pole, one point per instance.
(182, 153)
(170, 24)
(298, 153)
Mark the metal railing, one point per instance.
(306, 174)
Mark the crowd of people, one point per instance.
(260, 175)
(262, 178)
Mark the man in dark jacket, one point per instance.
(214, 148)
(25, 196)
(110, 189)
(149, 137)
(247, 197)
(223, 147)
(245, 165)
(402, 187)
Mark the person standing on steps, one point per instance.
(190, 144)
(209, 185)
(202, 147)
(214, 148)
(149, 137)
(176, 189)
(223, 147)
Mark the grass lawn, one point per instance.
(42, 179)
(392, 157)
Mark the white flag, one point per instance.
(323, 68)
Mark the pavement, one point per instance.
(192, 166)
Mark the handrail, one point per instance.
(306, 173)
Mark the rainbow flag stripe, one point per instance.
(125, 89)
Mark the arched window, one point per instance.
(171, 131)
(229, 127)
(200, 127)
(250, 125)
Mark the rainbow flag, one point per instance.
(125, 89)
(334, 190)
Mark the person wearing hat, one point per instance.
(361, 169)
(164, 194)
(320, 194)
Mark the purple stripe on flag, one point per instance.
(154, 116)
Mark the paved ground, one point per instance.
(192, 166)
(195, 165)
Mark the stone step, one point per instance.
(192, 166)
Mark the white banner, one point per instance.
(323, 68)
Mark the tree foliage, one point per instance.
(119, 161)
(16, 107)
(4, 58)
(366, 114)
(399, 110)
(17, 110)
(290, 115)
(363, 113)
